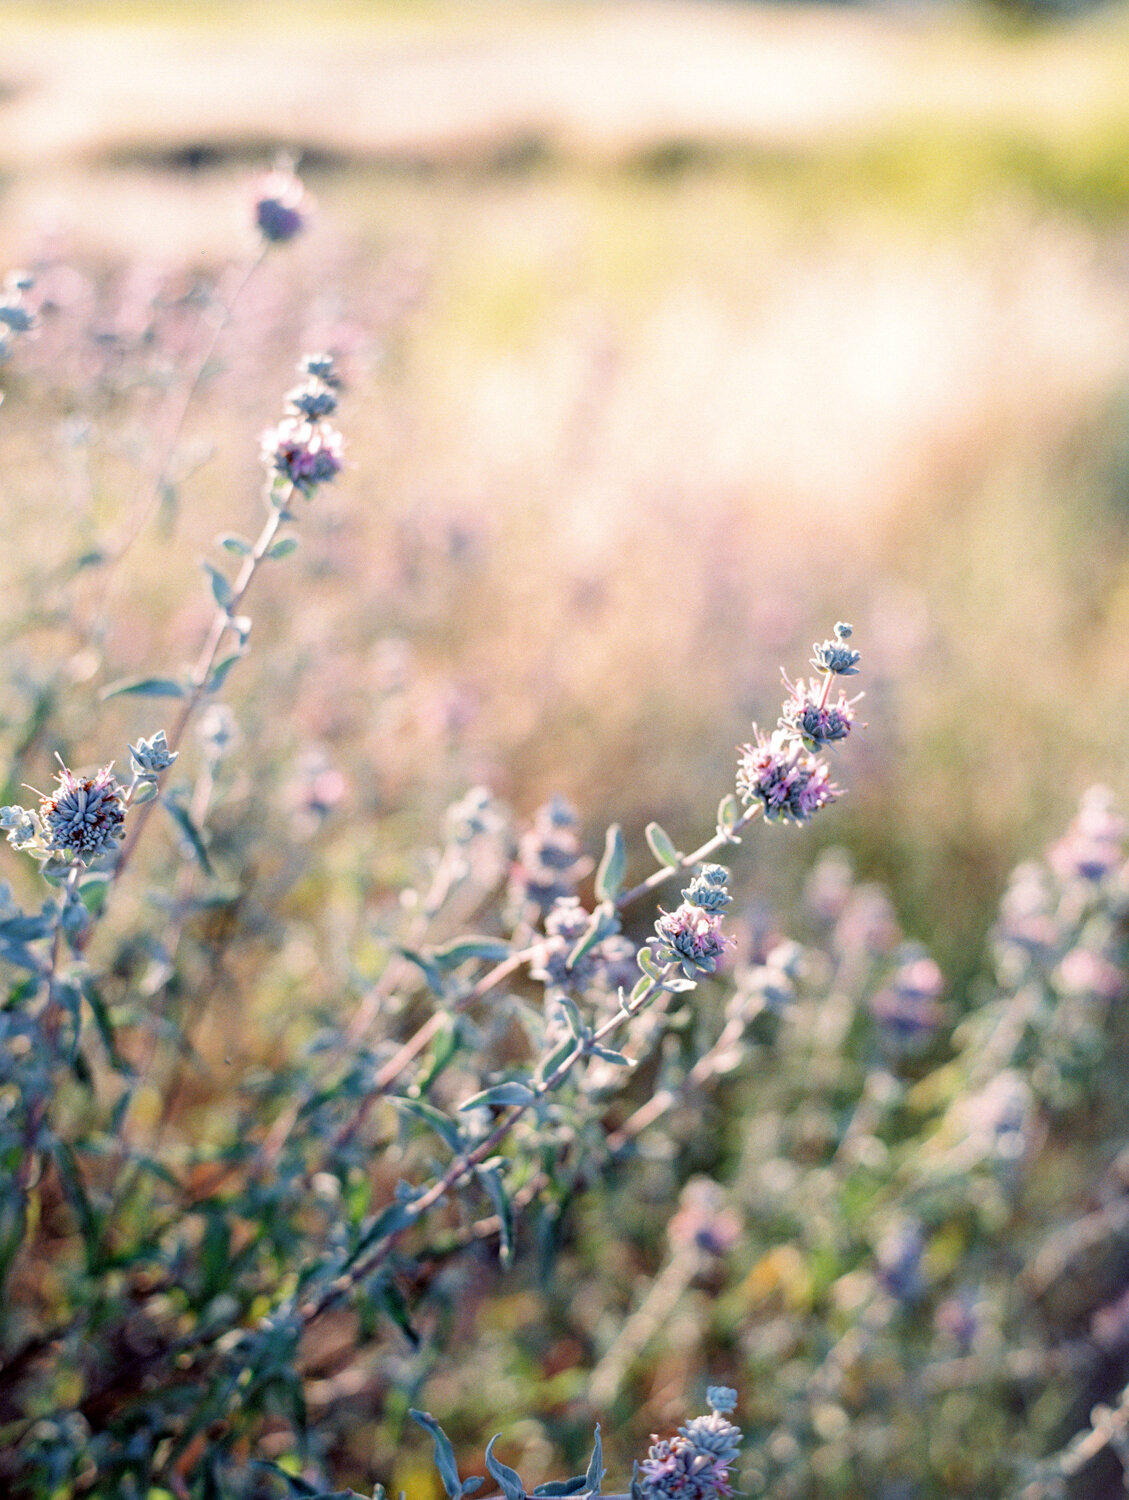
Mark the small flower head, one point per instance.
(779, 773)
(282, 207)
(565, 925)
(695, 1463)
(707, 889)
(85, 814)
(813, 721)
(320, 367)
(908, 1009)
(19, 825)
(1094, 844)
(305, 453)
(835, 656)
(692, 938)
(550, 862)
(722, 1399)
(148, 758)
(704, 1221)
(313, 399)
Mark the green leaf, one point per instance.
(509, 1480)
(493, 950)
(236, 544)
(392, 1300)
(429, 970)
(444, 1453)
(617, 1058)
(388, 1221)
(145, 687)
(662, 847)
(573, 1019)
(192, 835)
(646, 961)
(490, 1175)
(218, 675)
(603, 923)
(728, 812)
(609, 877)
(511, 1092)
(596, 1470)
(443, 1126)
(282, 548)
(89, 1224)
(221, 588)
(145, 791)
(549, 1065)
(559, 1489)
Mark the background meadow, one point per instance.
(669, 334)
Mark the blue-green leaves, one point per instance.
(509, 1480)
(445, 1457)
(662, 846)
(613, 865)
(145, 687)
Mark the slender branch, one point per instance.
(668, 872)
(473, 1158)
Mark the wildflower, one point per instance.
(148, 758)
(811, 719)
(695, 1463)
(1085, 973)
(1094, 844)
(565, 925)
(549, 862)
(692, 938)
(282, 207)
(305, 453)
(19, 825)
(835, 656)
(84, 815)
(788, 782)
(704, 1221)
(908, 1009)
(707, 889)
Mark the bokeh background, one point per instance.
(672, 333)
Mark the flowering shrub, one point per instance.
(887, 1208)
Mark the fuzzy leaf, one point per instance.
(232, 543)
(646, 961)
(617, 1058)
(613, 866)
(444, 1453)
(490, 1175)
(508, 1480)
(144, 687)
(429, 970)
(192, 835)
(221, 588)
(596, 1470)
(603, 923)
(443, 1126)
(282, 548)
(728, 811)
(511, 1092)
(662, 847)
(558, 1489)
(493, 950)
(575, 1021)
(218, 675)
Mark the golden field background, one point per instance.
(672, 333)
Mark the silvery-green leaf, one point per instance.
(444, 1453)
(442, 1124)
(662, 847)
(596, 1470)
(145, 687)
(492, 950)
(609, 877)
(511, 1092)
(490, 1175)
(282, 548)
(221, 588)
(509, 1480)
(232, 543)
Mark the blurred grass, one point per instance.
(669, 405)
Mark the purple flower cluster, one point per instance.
(781, 771)
(550, 861)
(787, 781)
(609, 964)
(908, 1009)
(691, 935)
(282, 208)
(695, 1463)
(85, 814)
(305, 448)
(1094, 844)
